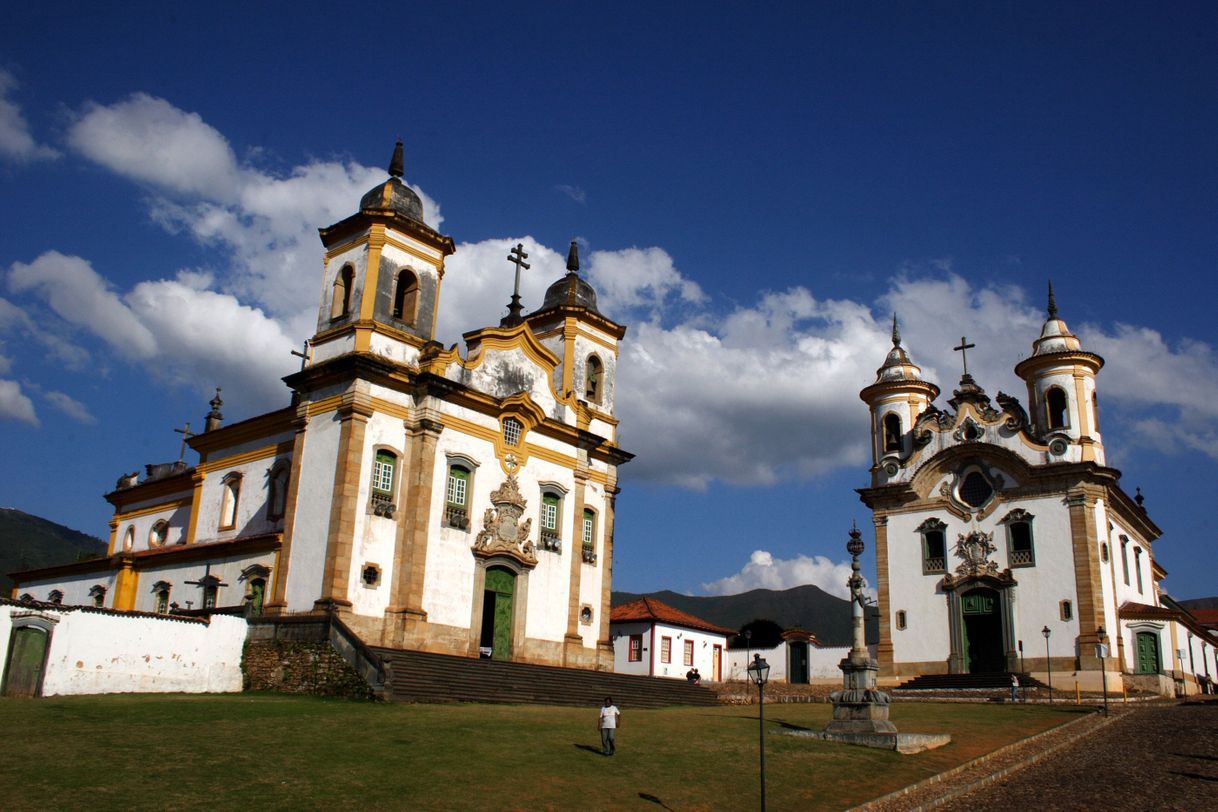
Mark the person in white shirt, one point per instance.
(607, 724)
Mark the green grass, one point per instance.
(279, 752)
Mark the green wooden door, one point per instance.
(799, 662)
(27, 653)
(982, 639)
(503, 583)
(1148, 653)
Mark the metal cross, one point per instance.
(186, 435)
(303, 355)
(517, 257)
(963, 350)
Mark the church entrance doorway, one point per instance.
(27, 655)
(982, 624)
(1148, 653)
(498, 612)
(799, 662)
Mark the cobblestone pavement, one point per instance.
(1153, 757)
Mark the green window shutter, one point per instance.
(458, 485)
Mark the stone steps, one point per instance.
(965, 682)
(417, 676)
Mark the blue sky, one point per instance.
(755, 190)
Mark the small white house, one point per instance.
(654, 639)
(799, 659)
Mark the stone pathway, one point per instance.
(1160, 756)
(1151, 757)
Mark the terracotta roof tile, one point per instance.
(650, 610)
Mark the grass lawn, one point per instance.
(262, 751)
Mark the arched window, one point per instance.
(97, 594)
(1125, 558)
(594, 373)
(160, 592)
(934, 546)
(456, 497)
(1095, 411)
(1137, 565)
(405, 296)
(901, 619)
(129, 538)
(256, 596)
(158, 534)
(892, 432)
(589, 536)
(229, 496)
(277, 491)
(340, 301)
(1055, 403)
(551, 504)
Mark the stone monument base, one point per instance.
(904, 743)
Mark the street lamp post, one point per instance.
(1048, 663)
(1102, 651)
(1022, 670)
(759, 672)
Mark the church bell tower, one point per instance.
(383, 268)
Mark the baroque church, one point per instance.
(1005, 543)
(438, 500)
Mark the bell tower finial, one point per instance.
(896, 331)
(397, 164)
(1052, 302)
(573, 258)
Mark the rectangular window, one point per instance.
(1137, 565)
(934, 552)
(689, 652)
(1019, 544)
(549, 512)
(589, 528)
(458, 482)
(901, 619)
(636, 648)
(511, 431)
(1125, 558)
(382, 471)
(666, 649)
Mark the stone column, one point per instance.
(414, 518)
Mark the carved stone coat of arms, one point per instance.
(976, 549)
(502, 531)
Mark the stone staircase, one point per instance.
(417, 676)
(967, 682)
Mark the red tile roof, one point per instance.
(1144, 611)
(1206, 617)
(650, 610)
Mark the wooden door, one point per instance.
(26, 659)
(503, 583)
(1148, 653)
(717, 664)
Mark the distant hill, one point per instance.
(28, 542)
(808, 607)
(1200, 603)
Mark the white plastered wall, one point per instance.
(228, 569)
(375, 536)
(103, 653)
(312, 522)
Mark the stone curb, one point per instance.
(876, 803)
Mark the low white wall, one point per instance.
(106, 653)
(823, 663)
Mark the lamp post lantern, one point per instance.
(1101, 651)
(1048, 663)
(759, 673)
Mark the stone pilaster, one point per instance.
(1090, 610)
(572, 642)
(353, 415)
(884, 654)
(278, 601)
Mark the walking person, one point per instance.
(1014, 688)
(607, 724)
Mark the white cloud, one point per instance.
(763, 571)
(16, 142)
(14, 405)
(209, 339)
(71, 407)
(14, 320)
(79, 295)
(638, 278)
(150, 140)
(574, 192)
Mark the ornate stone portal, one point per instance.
(859, 707)
(502, 531)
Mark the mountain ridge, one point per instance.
(29, 542)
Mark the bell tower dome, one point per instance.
(1062, 396)
(898, 396)
(383, 268)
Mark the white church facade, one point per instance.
(450, 501)
(1005, 543)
